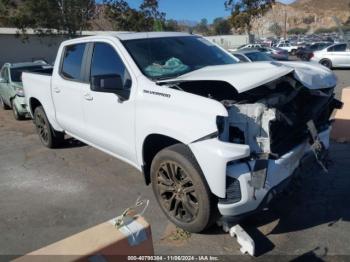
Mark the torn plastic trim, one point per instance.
(279, 170)
(212, 156)
(253, 121)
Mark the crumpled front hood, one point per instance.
(246, 76)
(313, 75)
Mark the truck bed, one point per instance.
(38, 86)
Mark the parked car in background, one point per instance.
(251, 55)
(231, 135)
(304, 53)
(288, 47)
(249, 46)
(11, 88)
(337, 55)
(275, 52)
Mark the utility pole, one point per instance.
(285, 23)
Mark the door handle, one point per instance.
(88, 97)
(56, 90)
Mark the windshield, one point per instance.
(258, 57)
(168, 57)
(16, 73)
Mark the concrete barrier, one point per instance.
(341, 126)
(103, 242)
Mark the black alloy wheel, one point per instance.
(177, 192)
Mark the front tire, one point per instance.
(181, 190)
(3, 105)
(48, 136)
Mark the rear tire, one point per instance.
(327, 63)
(48, 136)
(181, 190)
(3, 105)
(16, 114)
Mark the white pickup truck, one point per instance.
(215, 138)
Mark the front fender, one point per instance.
(212, 156)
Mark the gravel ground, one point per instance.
(46, 195)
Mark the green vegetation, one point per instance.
(47, 16)
(5, 6)
(276, 29)
(221, 26)
(345, 28)
(298, 31)
(124, 18)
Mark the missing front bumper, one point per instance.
(279, 173)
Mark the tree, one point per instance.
(276, 29)
(244, 11)
(171, 25)
(54, 16)
(150, 10)
(3, 11)
(146, 18)
(221, 26)
(202, 27)
(6, 9)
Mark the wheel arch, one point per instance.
(328, 60)
(33, 104)
(152, 144)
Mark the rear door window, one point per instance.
(337, 48)
(72, 62)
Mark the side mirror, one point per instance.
(112, 83)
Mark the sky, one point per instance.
(192, 10)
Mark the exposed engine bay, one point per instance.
(271, 118)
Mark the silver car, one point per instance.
(251, 55)
(275, 53)
(337, 55)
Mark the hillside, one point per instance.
(311, 14)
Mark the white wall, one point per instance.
(229, 41)
(15, 49)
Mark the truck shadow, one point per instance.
(71, 143)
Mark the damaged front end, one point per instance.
(283, 122)
(272, 119)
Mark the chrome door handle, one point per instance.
(56, 90)
(88, 97)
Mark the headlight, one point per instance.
(20, 92)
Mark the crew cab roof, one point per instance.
(121, 35)
(132, 35)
